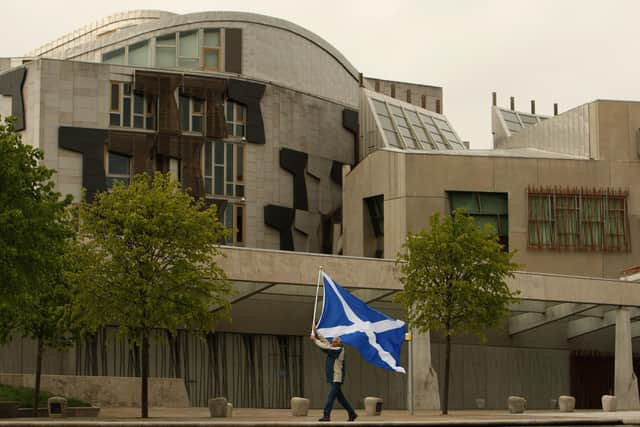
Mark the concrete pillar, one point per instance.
(625, 382)
(426, 393)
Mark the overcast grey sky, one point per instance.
(564, 51)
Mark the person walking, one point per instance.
(335, 373)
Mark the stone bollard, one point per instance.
(56, 405)
(516, 404)
(229, 413)
(218, 407)
(480, 403)
(299, 406)
(566, 403)
(609, 403)
(372, 406)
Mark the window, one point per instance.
(139, 54)
(485, 208)
(234, 218)
(211, 50)
(114, 57)
(118, 168)
(375, 206)
(196, 49)
(188, 50)
(387, 125)
(166, 51)
(174, 168)
(191, 114)
(595, 220)
(236, 118)
(140, 115)
(224, 169)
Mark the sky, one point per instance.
(565, 51)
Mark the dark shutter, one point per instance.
(233, 50)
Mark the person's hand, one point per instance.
(312, 337)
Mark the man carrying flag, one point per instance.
(335, 373)
(346, 319)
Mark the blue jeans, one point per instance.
(335, 391)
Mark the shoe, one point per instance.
(353, 417)
(325, 419)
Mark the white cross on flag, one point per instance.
(376, 336)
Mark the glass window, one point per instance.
(166, 51)
(191, 114)
(375, 206)
(592, 220)
(139, 54)
(189, 50)
(211, 50)
(118, 169)
(234, 219)
(138, 112)
(236, 118)
(485, 208)
(227, 160)
(114, 57)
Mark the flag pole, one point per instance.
(315, 304)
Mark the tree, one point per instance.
(153, 248)
(34, 232)
(454, 280)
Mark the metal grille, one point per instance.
(578, 219)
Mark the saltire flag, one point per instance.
(377, 337)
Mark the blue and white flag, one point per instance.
(376, 336)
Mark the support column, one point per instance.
(426, 393)
(626, 382)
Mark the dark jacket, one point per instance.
(335, 359)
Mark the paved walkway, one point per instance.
(184, 417)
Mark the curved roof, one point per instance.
(98, 28)
(152, 20)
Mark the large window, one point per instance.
(234, 218)
(224, 169)
(211, 50)
(191, 114)
(236, 118)
(485, 208)
(594, 220)
(166, 51)
(118, 168)
(129, 109)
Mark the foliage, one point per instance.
(25, 396)
(454, 280)
(454, 277)
(147, 261)
(149, 250)
(33, 217)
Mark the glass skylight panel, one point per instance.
(386, 123)
(511, 120)
(528, 119)
(407, 126)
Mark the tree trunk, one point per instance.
(144, 398)
(36, 394)
(447, 364)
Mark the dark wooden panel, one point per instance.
(233, 50)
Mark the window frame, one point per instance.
(237, 110)
(593, 218)
(192, 113)
(236, 170)
(110, 178)
(149, 108)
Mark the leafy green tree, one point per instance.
(454, 280)
(153, 250)
(32, 214)
(34, 232)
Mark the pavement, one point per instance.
(186, 417)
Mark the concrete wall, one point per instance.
(618, 124)
(432, 93)
(68, 93)
(415, 186)
(107, 391)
